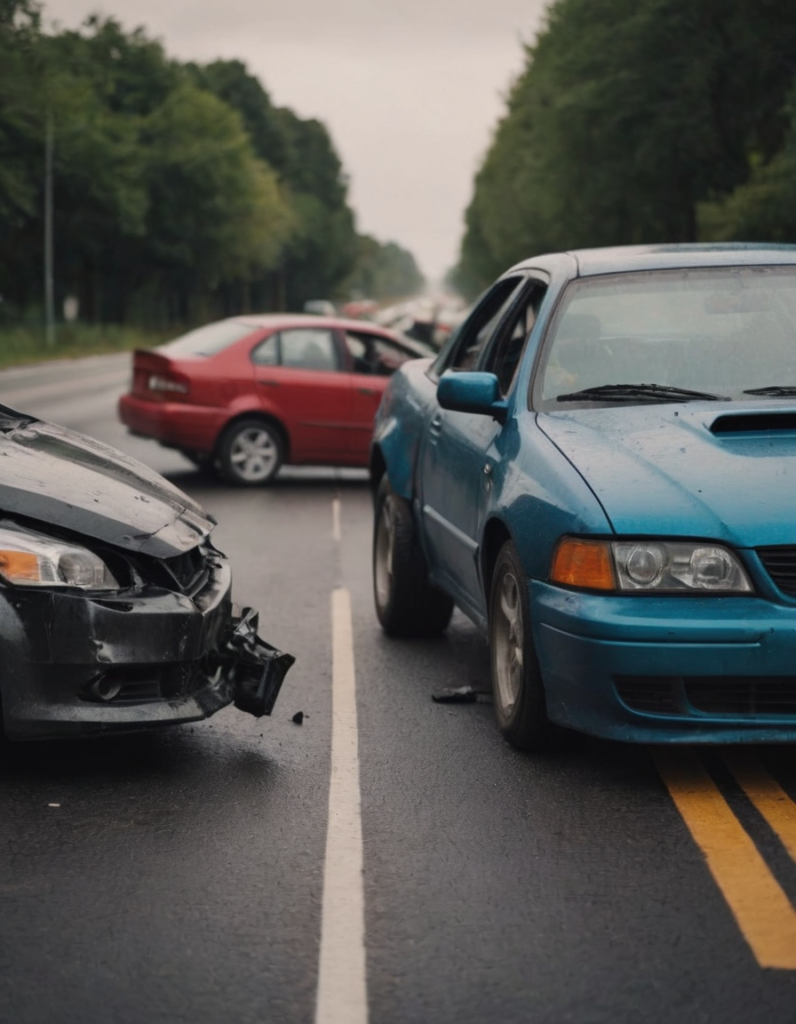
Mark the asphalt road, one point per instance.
(199, 875)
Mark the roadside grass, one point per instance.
(20, 345)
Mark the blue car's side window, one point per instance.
(473, 336)
(504, 358)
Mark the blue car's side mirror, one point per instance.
(472, 392)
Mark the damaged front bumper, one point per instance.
(74, 664)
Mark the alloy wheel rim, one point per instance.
(508, 643)
(253, 454)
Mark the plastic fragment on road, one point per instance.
(461, 695)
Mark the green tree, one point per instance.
(764, 207)
(21, 133)
(323, 246)
(231, 82)
(216, 213)
(164, 209)
(628, 116)
(384, 270)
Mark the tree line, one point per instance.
(179, 191)
(640, 121)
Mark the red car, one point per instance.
(251, 393)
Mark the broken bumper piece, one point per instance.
(257, 668)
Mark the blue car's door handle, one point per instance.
(435, 427)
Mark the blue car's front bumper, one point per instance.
(667, 669)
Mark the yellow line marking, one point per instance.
(761, 909)
(766, 794)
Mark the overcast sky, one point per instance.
(411, 90)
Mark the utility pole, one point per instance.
(49, 288)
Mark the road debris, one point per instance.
(462, 695)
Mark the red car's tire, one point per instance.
(251, 452)
(407, 605)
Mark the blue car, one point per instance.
(599, 469)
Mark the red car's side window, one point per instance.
(267, 352)
(372, 354)
(300, 348)
(308, 348)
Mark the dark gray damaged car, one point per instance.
(115, 608)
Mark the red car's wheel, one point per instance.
(251, 452)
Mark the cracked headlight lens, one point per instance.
(29, 559)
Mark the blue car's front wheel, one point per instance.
(516, 681)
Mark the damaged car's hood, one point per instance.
(58, 476)
(688, 469)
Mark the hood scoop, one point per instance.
(754, 423)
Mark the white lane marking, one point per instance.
(342, 990)
(336, 532)
(64, 387)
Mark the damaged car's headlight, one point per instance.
(648, 565)
(31, 559)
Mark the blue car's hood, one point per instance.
(688, 470)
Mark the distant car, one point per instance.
(600, 470)
(360, 309)
(115, 608)
(251, 393)
(320, 307)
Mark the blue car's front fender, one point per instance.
(538, 495)
(399, 426)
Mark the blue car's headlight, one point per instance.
(678, 565)
(649, 565)
(29, 559)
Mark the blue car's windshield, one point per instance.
(718, 332)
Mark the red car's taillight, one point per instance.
(168, 382)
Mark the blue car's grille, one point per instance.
(713, 695)
(780, 563)
(737, 696)
(648, 693)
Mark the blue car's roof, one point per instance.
(619, 259)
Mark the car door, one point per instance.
(373, 359)
(300, 381)
(460, 449)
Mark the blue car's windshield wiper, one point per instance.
(775, 390)
(630, 392)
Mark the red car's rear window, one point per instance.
(208, 340)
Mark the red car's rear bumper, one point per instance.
(175, 424)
